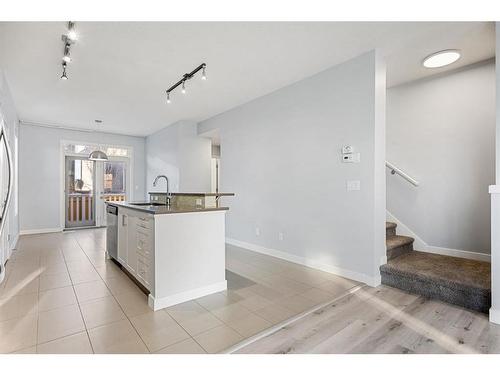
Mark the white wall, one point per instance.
(11, 122)
(179, 153)
(280, 154)
(495, 203)
(441, 131)
(40, 174)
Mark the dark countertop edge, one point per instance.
(162, 211)
(195, 194)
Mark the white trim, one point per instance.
(39, 231)
(363, 278)
(161, 303)
(421, 245)
(494, 316)
(129, 159)
(2, 273)
(494, 189)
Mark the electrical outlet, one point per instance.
(257, 231)
(280, 236)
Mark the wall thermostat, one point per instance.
(348, 149)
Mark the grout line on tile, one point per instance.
(78, 303)
(120, 306)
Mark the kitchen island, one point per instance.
(175, 252)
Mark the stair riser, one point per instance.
(474, 299)
(390, 232)
(397, 251)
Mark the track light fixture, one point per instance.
(186, 77)
(64, 77)
(68, 39)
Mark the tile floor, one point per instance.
(62, 296)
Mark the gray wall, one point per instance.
(12, 123)
(280, 154)
(179, 153)
(39, 171)
(442, 132)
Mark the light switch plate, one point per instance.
(353, 185)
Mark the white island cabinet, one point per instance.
(176, 255)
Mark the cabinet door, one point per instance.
(122, 237)
(132, 245)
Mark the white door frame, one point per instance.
(62, 172)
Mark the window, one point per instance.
(84, 149)
(114, 177)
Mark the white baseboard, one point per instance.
(494, 316)
(371, 281)
(40, 231)
(421, 245)
(161, 303)
(2, 273)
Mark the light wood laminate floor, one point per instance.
(384, 320)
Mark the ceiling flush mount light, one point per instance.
(187, 77)
(441, 58)
(68, 39)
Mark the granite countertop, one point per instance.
(195, 194)
(163, 209)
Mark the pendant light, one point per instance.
(98, 155)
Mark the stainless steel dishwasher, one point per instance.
(112, 231)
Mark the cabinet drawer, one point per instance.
(144, 222)
(143, 260)
(143, 273)
(143, 242)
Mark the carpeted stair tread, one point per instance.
(458, 281)
(390, 225)
(397, 241)
(457, 272)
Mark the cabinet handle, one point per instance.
(124, 222)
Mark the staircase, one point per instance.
(458, 281)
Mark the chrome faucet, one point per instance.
(168, 186)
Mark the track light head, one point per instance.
(183, 87)
(66, 58)
(168, 98)
(72, 35)
(203, 74)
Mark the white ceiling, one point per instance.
(120, 70)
